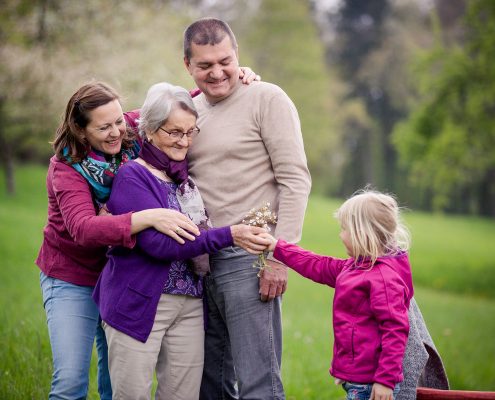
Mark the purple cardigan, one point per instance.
(132, 281)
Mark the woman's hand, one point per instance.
(381, 392)
(169, 222)
(247, 75)
(273, 241)
(104, 210)
(248, 237)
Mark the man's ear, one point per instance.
(187, 63)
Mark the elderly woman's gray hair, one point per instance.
(161, 99)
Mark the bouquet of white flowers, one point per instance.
(261, 217)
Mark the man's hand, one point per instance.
(380, 392)
(273, 280)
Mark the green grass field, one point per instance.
(454, 274)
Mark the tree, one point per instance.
(448, 141)
(20, 83)
(360, 33)
(282, 43)
(51, 47)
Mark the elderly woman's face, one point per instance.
(179, 120)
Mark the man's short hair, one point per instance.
(206, 31)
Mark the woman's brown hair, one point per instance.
(70, 132)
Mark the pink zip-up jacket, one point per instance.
(370, 320)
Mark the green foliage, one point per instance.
(448, 140)
(370, 52)
(459, 323)
(347, 108)
(51, 48)
(282, 44)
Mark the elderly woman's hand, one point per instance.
(169, 222)
(248, 238)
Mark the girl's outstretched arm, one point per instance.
(318, 268)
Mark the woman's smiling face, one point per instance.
(106, 128)
(179, 120)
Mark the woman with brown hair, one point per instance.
(91, 144)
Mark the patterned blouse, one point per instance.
(181, 278)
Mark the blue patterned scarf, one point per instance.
(99, 172)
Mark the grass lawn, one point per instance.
(453, 269)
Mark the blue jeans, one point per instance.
(73, 324)
(243, 342)
(362, 391)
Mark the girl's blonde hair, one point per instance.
(372, 220)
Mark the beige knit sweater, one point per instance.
(249, 151)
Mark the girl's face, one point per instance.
(346, 239)
(106, 128)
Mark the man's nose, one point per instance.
(216, 72)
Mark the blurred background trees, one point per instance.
(448, 138)
(399, 94)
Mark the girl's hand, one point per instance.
(247, 75)
(381, 392)
(249, 238)
(273, 241)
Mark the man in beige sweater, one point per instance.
(250, 151)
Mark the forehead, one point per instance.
(213, 53)
(178, 116)
(106, 113)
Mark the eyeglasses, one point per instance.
(178, 135)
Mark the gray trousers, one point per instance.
(243, 341)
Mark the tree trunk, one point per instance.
(43, 6)
(6, 152)
(487, 195)
(9, 175)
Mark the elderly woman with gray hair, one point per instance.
(150, 296)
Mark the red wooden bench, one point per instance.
(437, 394)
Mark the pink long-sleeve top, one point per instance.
(370, 311)
(75, 238)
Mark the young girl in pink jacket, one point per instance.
(373, 289)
